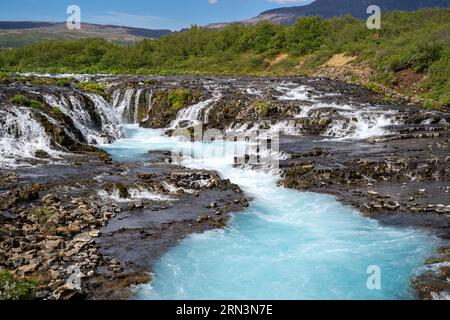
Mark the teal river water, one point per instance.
(286, 245)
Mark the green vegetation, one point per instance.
(61, 82)
(415, 41)
(93, 87)
(58, 113)
(14, 289)
(150, 81)
(263, 107)
(35, 104)
(178, 99)
(4, 78)
(22, 100)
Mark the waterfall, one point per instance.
(297, 93)
(137, 99)
(21, 136)
(193, 114)
(111, 125)
(360, 125)
(122, 106)
(150, 105)
(74, 107)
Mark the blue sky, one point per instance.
(160, 14)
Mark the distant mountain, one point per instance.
(332, 8)
(18, 33)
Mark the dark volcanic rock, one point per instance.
(88, 230)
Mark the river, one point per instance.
(286, 245)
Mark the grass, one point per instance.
(22, 100)
(178, 99)
(419, 41)
(60, 82)
(15, 289)
(5, 78)
(94, 87)
(263, 108)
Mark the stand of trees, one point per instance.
(408, 40)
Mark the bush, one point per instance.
(263, 107)
(93, 87)
(306, 35)
(4, 78)
(20, 99)
(14, 289)
(35, 104)
(178, 99)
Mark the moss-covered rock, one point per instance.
(94, 87)
(166, 104)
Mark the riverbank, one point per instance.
(92, 230)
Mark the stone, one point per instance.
(52, 245)
(29, 268)
(41, 154)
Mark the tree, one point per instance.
(306, 35)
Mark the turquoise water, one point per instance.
(286, 245)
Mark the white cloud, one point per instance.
(213, 1)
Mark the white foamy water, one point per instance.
(134, 194)
(108, 130)
(193, 114)
(360, 125)
(20, 137)
(296, 93)
(122, 107)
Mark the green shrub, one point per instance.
(93, 87)
(14, 289)
(42, 81)
(35, 104)
(306, 35)
(150, 81)
(4, 78)
(61, 82)
(178, 99)
(429, 104)
(21, 100)
(263, 107)
(57, 112)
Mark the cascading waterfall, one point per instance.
(111, 124)
(296, 93)
(21, 136)
(193, 114)
(95, 133)
(122, 106)
(137, 100)
(361, 124)
(149, 106)
(351, 122)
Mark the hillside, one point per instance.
(18, 33)
(328, 9)
(410, 56)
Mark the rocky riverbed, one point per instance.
(92, 230)
(69, 213)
